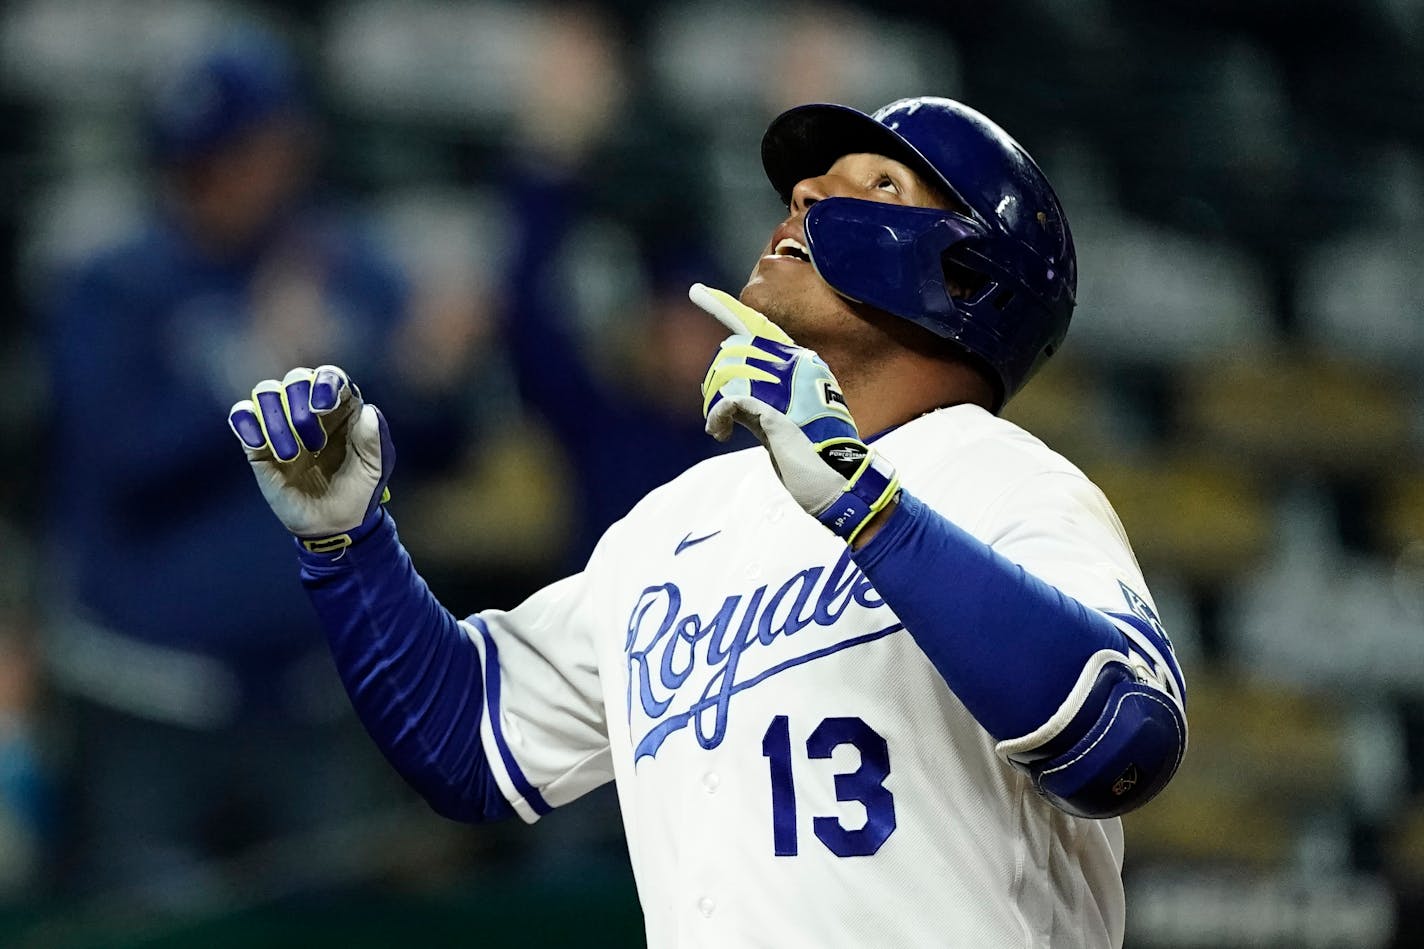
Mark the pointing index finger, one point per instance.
(736, 315)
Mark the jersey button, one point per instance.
(707, 906)
(753, 571)
(710, 781)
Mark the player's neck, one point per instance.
(907, 385)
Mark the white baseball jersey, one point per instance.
(792, 770)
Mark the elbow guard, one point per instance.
(1114, 743)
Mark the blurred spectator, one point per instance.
(614, 372)
(208, 717)
(626, 412)
(626, 406)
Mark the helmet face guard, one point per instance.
(1012, 239)
(888, 256)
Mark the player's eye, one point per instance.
(886, 183)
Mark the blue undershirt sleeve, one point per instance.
(1009, 645)
(413, 675)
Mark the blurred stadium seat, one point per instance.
(429, 59)
(1202, 518)
(96, 54)
(1293, 409)
(1148, 292)
(1316, 616)
(1401, 513)
(1358, 293)
(1261, 759)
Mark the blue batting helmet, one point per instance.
(1006, 250)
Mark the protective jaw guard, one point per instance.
(892, 257)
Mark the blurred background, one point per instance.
(473, 206)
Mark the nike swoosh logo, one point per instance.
(690, 541)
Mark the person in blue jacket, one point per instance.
(206, 715)
(622, 435)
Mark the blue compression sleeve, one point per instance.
(1010, 646)
(411, 672)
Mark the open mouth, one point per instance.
(790, 249)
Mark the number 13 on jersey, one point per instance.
(865, 784)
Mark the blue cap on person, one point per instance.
(214, 98)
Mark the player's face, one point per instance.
(786, 287)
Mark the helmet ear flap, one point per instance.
(888, 256)
(939, 270)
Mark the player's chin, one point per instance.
(778, 285)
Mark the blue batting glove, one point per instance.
(321, 456)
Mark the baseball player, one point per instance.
(887, 680)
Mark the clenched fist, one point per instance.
(321, 455)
